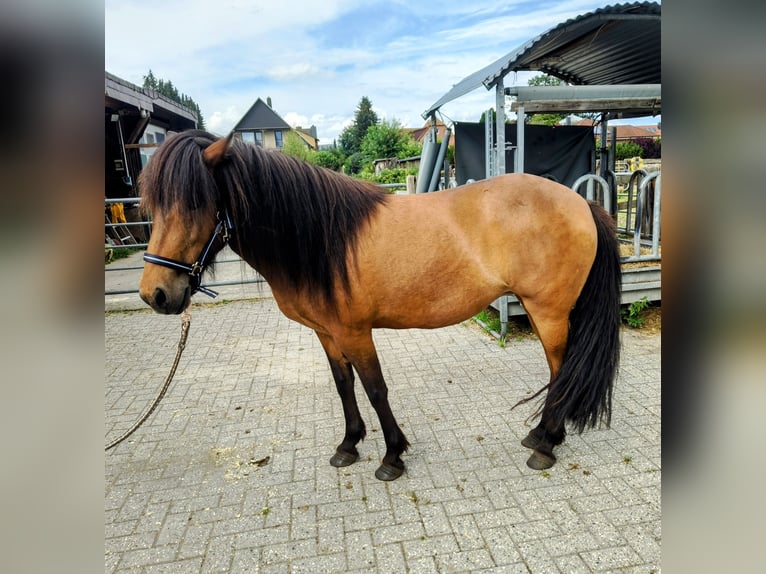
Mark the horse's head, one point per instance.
(188, 229)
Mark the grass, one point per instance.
(490, 320)
(112, 255)
(641, 314)
(518, 327)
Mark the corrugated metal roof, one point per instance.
(619, 44)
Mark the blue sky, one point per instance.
(316, 59)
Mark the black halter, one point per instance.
(196, 269)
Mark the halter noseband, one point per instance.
(195, 270)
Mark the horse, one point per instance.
(343, 257)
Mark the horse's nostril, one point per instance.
(160, 299)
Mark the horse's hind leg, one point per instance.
(542, 439)
(553, 332)
(343, 373)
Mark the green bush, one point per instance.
(650, 148)
(627, 150)
(396, 175)
(330, 159)
(633, 315)
(354, 163)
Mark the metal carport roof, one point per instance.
(619, 44)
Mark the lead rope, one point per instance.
(185, 322)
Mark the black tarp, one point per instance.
(561, 153)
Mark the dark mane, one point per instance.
(291, 218)
(176, 177)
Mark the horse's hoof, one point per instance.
(342, 458)
(540, 461)
(388, 472)
(530, 441)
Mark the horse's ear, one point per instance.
(216, 151)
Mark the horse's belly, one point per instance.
(433, 309)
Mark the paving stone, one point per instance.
(231, 472)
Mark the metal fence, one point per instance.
(118, 233)
(637, 211)
(119, 236)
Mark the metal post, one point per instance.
(642, 197)
(500, 169)
(434, 181)
(640, 203)
(521, 119)
(590, 179)
(500, 127)
(489, 155)
(656, 216)
(127, 179)
(426, 159)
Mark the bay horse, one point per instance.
(343, 257)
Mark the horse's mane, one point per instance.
(290, 218)
(176, 177)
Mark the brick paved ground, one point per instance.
(231, 473)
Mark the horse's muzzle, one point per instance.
(162, 302)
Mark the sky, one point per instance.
(316, 59)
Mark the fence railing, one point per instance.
(119, 236)
(117, 233)
(123, 234)
(646, 223)
(637, 209)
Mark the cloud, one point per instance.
(296, 120)
(222, 122)
(292, 71)
(317, 60)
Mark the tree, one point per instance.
(296, 147)
(387, 139)
(483, 117)
(492, 117)
(364, 118)
(167, 89)
(545, 119)
(351, 137)
(347, 141)
(354, 163)
(545, 80)
(150, 81)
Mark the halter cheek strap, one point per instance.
(222, 231)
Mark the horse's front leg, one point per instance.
(365, 359)
(343, 374)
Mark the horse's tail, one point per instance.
(581, 392)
